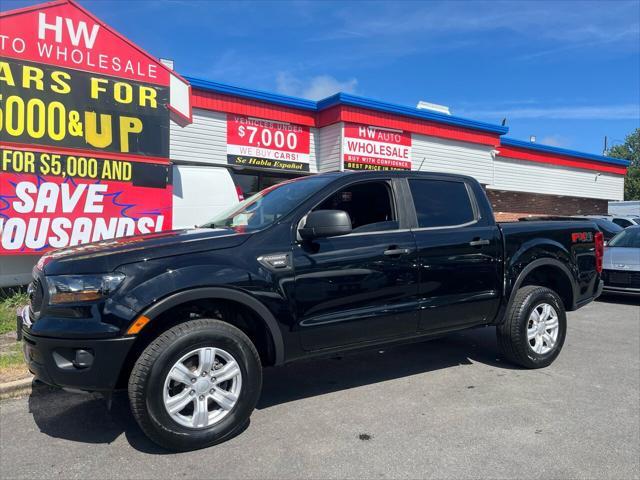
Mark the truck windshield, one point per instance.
(267, 206)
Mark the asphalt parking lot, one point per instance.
(448, 408)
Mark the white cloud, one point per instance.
(554, 141)
(590, 112)
(315, 88)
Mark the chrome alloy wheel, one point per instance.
(543, 328)
(202, 387)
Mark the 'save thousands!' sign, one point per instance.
(257, 143)
(84, 131)
(374, 148)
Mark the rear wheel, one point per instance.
(534, 329)
(195, 385)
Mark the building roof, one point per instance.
(344, 99)
(390, 108)
(512, 142)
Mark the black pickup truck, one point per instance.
(187, 319)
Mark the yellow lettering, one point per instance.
(60, 77)
(106, 170)
(14, 117)
(128, 125)
(35, 118)
(96, 86)
(32, 74)
(126, 172)
(56, 115)
(148, 94)
(6, 75)
(119, 88)
(101, 138)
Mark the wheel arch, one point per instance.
(190, 297)
(550, 273)
(221, 293)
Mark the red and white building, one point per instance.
(350, 132)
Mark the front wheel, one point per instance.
(534, 328)
(195, 385)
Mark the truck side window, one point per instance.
(441, 203)
(368, 204)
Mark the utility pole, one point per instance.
(604, 152)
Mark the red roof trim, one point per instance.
(348, 113)
(252, 108)
(340, 113)
(522, 154)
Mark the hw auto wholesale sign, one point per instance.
(258, 143)
(84, 131)
(374, 148)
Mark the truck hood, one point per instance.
(107, 255)
(619, 258)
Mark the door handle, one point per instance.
(479, 242)
(397, 251)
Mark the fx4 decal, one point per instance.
(580, 237)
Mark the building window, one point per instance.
(253, 182)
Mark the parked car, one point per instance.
(623, 221)
(186, 320)
(607, 227)
(622, 262)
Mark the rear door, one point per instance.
(361, 286)
(458, 255)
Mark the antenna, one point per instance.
(421, 163)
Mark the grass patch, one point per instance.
(8, 306)
(12, 366)
(11, 356)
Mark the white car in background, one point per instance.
(622, 220)
(621, 263)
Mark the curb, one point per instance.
(17, 388)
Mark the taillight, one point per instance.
(599, 239)
(239, 193)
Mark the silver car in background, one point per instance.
(621, 263)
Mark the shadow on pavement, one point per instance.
(619, 299)
(85, 417)
(316, 377)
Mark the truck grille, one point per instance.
(36, 296)
(617, 278)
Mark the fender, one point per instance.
(528, 269)
(223, 294)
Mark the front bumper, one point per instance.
(84, 364)
(621, 281)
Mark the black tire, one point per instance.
(512, 333)
(146, 383)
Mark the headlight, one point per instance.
(82, 288)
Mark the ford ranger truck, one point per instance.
(186, 320)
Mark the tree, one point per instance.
(630, 150)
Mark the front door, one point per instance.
(361, 286)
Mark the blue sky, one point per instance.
(567, 72)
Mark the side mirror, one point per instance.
(325, 223)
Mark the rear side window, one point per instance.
(441, 203)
